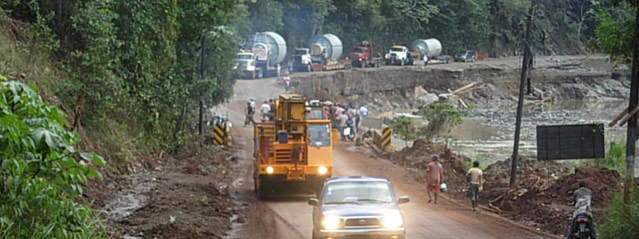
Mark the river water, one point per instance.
(489, 133)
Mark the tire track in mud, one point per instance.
(262, 221)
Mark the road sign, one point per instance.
(584, 141)
(385, 142)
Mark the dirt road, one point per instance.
(286, 218)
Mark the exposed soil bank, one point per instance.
(388, 88)
(169, 197)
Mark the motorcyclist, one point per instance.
(582, 199)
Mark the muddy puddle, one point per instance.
(489, 133)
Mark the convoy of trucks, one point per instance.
(264, 53)
(294, 149)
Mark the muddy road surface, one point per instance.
(290, 217)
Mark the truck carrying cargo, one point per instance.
(364, 56)
(264, 53)
(427, 51)
(326, 51)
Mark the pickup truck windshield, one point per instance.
(397, 49)
(357, 192)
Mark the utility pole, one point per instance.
(520, 103)
(202, 52)
(631, 135)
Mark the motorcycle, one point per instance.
(348, 133)
(582, 227)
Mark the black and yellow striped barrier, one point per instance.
(219, 134)
(385, 142)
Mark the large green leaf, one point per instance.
(45, 140)
(93, 158)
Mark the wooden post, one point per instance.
(520, 103)
(631, 135)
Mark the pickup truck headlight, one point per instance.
(330, 222)
(392, 219)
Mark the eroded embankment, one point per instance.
(389, 88)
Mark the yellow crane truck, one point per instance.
(294, 150)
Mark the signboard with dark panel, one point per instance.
(580, 141)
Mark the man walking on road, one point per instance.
(435, 175)
(249, 112)
(265, 109)
(475, 179)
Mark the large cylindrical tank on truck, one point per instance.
(326, 51)
(268, 46)
(269, 50)
(427, 47)
(329, 42)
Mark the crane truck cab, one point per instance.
(397, 55)
(294, 151)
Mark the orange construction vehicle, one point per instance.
(295, 149)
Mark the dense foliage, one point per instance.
(614, 33)
(137, 65)
(493, 27)
(40, 174)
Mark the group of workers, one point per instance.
(266, 110)
(343, 116)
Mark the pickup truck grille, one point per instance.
(362, 222)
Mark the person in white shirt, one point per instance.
(363, 110)
(265, 109)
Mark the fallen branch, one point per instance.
(490, 205)
(614, 121)
(496, 199)
(630, 115)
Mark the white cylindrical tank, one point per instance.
(428, 47)
(268, 45)
(329, 42)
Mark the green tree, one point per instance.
(614, 31)
(439, 115)
(404, 127)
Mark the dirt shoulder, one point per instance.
(169, 197)
(542, 198)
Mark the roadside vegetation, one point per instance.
(620, 220)
(438, 115)
(41, 172)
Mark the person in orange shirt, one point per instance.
(435, 175)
